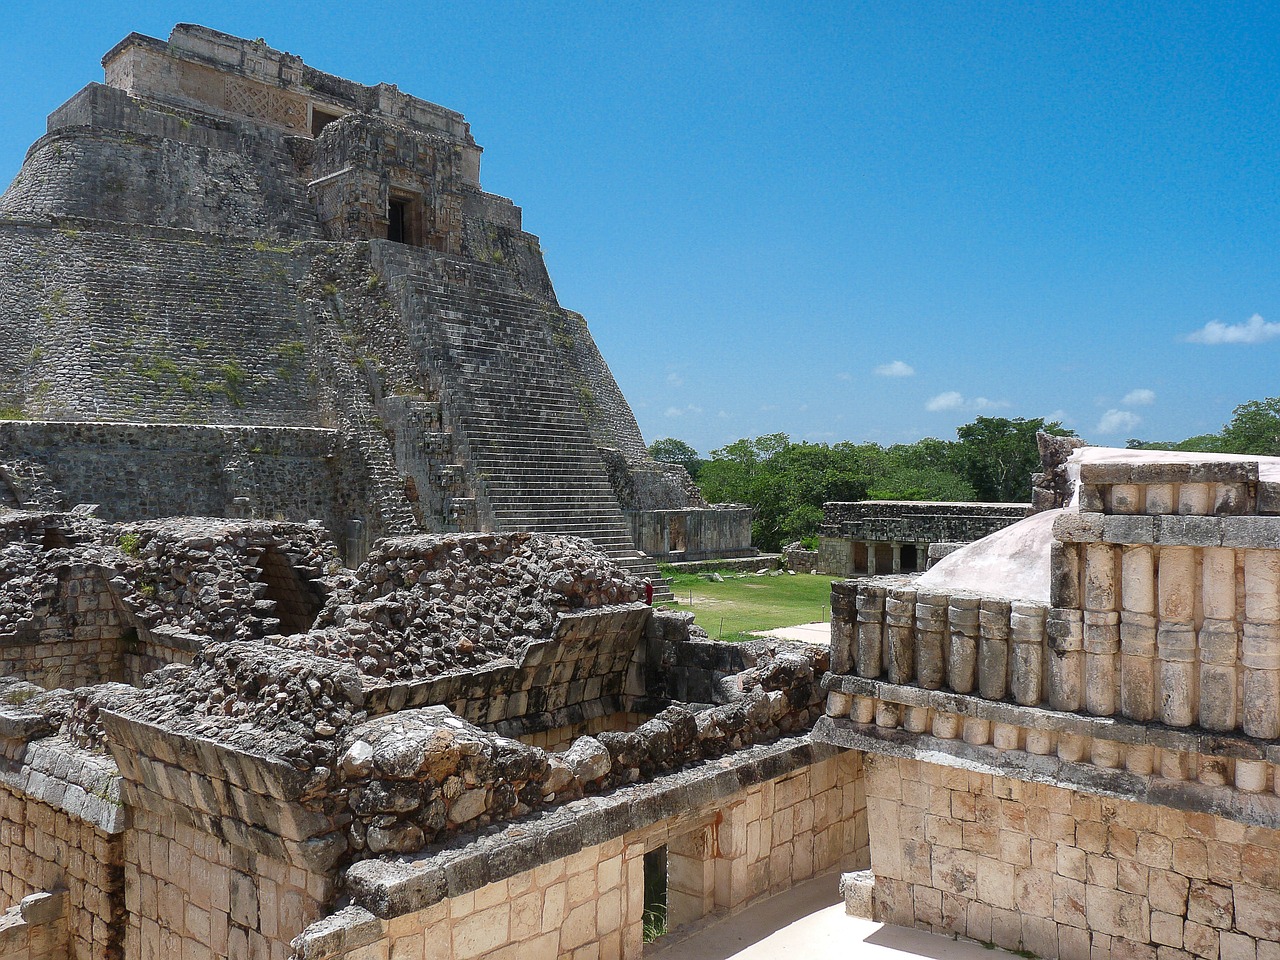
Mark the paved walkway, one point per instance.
(808, 922)
(816, 633)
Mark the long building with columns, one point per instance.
(869, 537)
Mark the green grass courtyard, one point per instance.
(745, 602)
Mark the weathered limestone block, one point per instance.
(1219, 641)
(993, 652)
(1064, 574)
(1160, 499)
(1065, 630)
(1260, 651)
(1137, 632)
(1026, 670)
(1101, 628)
(900, 617)
(869, 656)
(931, 625)
(1175, 636)
(963, 615)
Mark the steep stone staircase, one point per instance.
(512, 401)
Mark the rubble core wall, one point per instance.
(46, 848)
(722, 856)
(1058, 873)
(139, 471)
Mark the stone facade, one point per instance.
(221, 235)
(259, 736)
(1095, 775)
(895, 536)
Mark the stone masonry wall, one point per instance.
(45, 848)
(35, 929)
(1057, 873)
(722, 856)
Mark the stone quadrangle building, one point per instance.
(323, 633)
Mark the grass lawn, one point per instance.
(743, 603)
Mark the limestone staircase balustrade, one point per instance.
(515, 408)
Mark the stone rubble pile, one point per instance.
(259, 698)
(422, 606)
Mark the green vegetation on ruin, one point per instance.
(745, 602)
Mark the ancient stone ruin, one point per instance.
(1071, 729)
(236, 286)
(323, 632)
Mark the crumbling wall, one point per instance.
(577, 882)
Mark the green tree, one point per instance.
(998, 455)
(1254, 428)
(671, 450)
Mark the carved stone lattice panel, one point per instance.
(258, 102)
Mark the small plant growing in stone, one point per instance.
(130, 544)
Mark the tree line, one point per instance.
(992, 459)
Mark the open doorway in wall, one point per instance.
(398, 226)
(655, 894)
(910, 558)
(320, 119)
(296, 605)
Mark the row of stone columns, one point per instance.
(1157, 633)
(964, 643)
(895, 564)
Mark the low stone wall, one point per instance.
(693, 534)
(35, 929)
(273, 471)
(1057, 873)
(571, 884)
(61, 828)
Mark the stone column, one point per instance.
(870, 646)
(931, 626)
(962, 618)
(1138, 632)
(1260, 655)
(1219, 641)
(1176, 637)
(1064, 627)
(1159, 499)
(895, 550)
(1101, 629)
(871, 558)
(993, 651)
(1195, 499)
(1027, 631)
(900, 622)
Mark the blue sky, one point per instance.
(840, 221)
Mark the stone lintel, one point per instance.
(1201, 471)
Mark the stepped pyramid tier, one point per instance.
(237, 286)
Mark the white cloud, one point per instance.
(1253, 330)
(674, 379)
(681, 411)
(955, 400)
(845, 376)
(1139, 398)
(895, 369)
(674, 412)
(1118, 421)
(951, 400)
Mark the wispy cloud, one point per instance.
(674, 412)
(951, 400)
(845, 376)
(1118, 421)
(1253, 330)
(895, 369)
(1141, 397)
(674, 379)
(955, 400)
